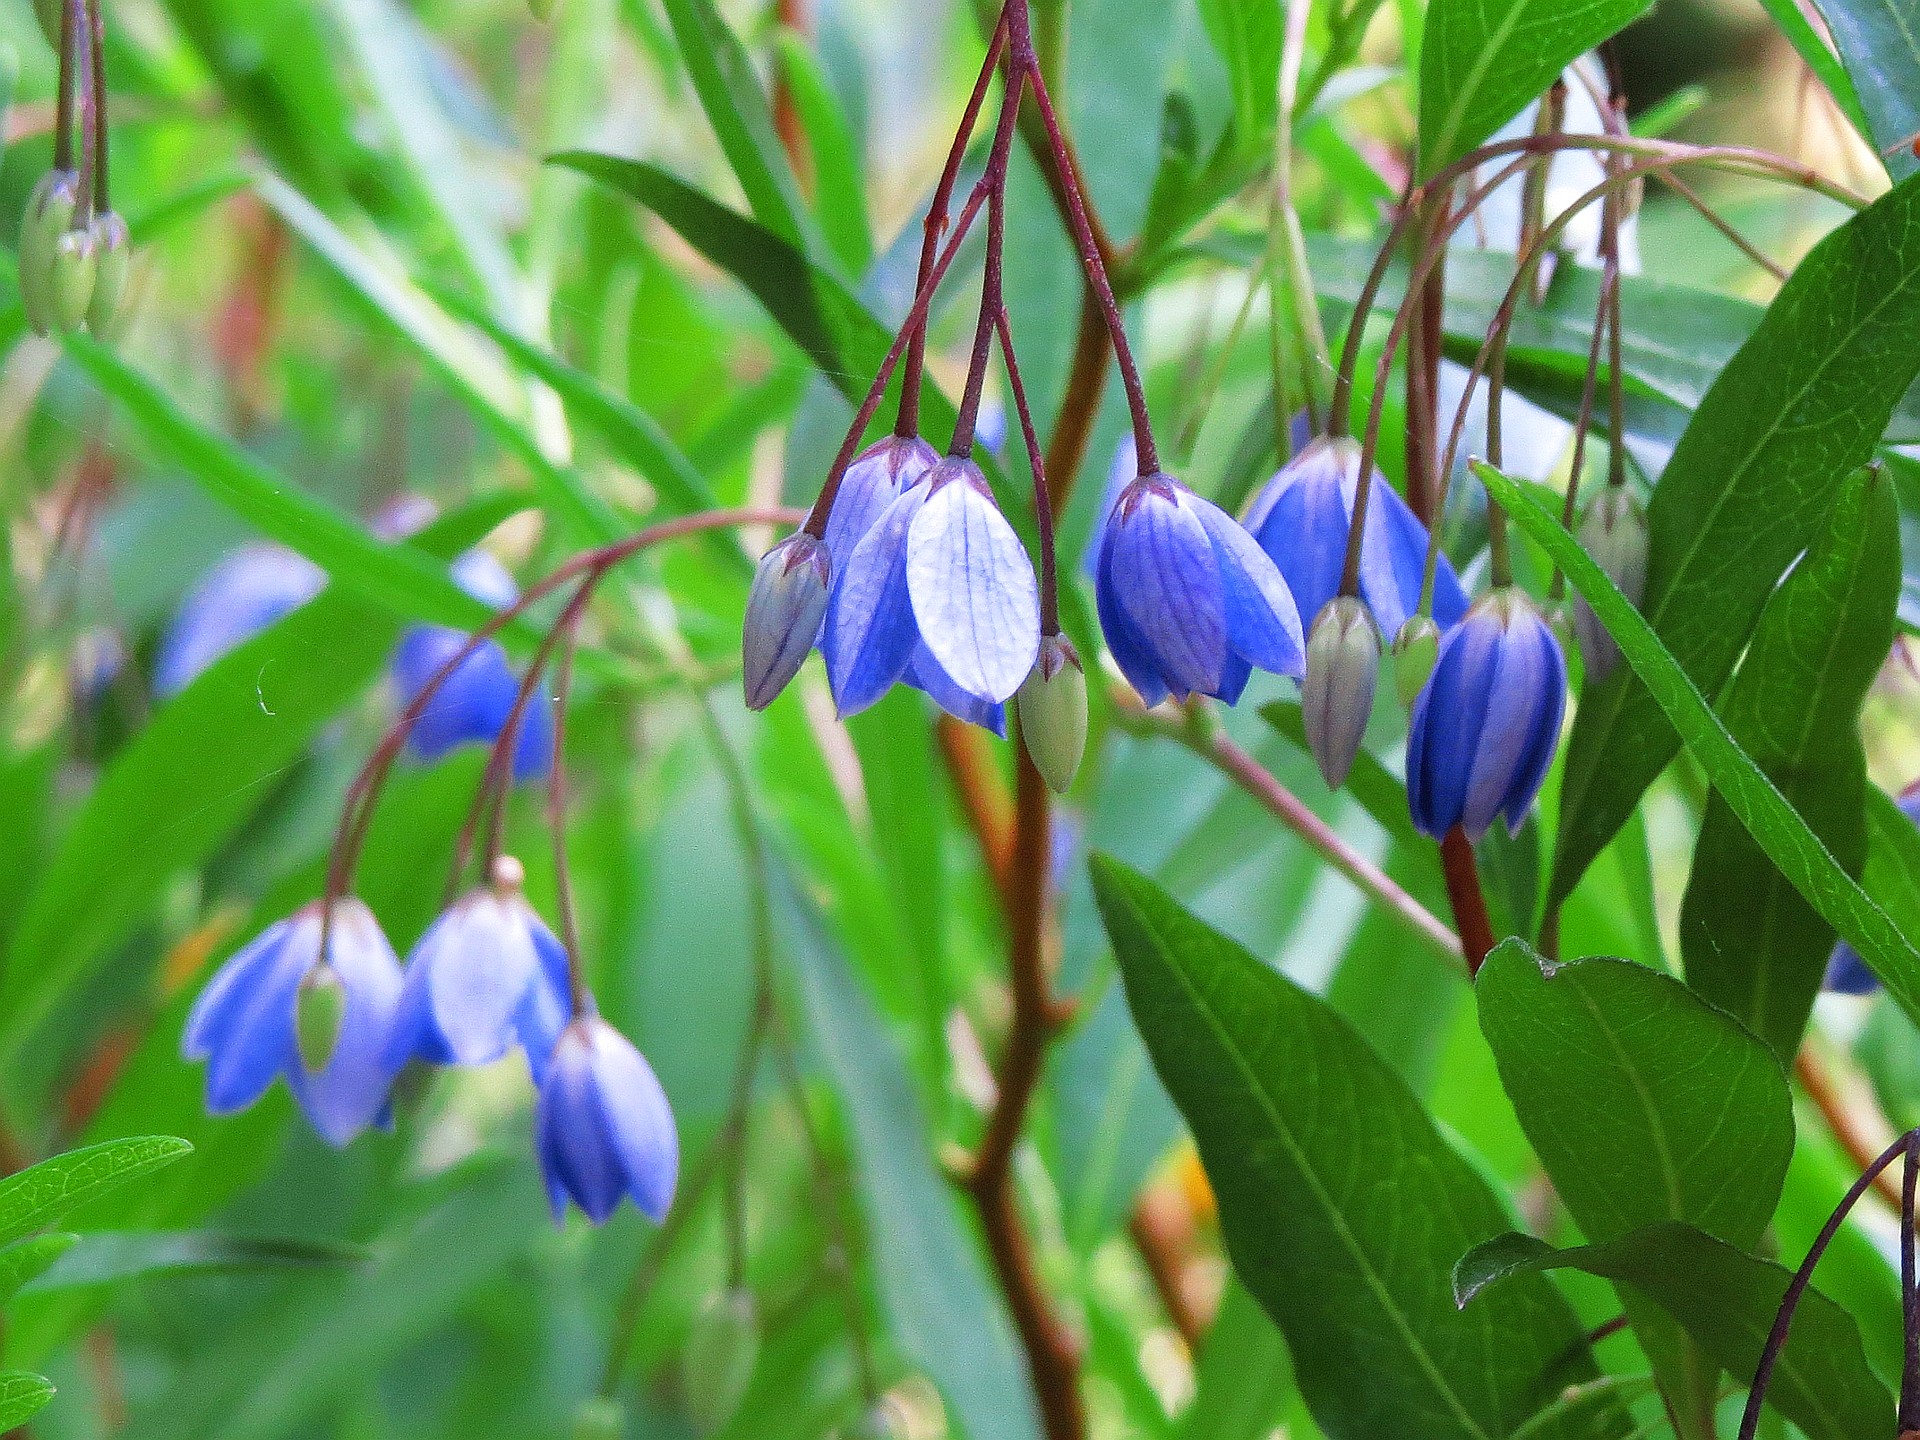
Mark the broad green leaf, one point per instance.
(943, 1314)
(1798, 853)
(103, 1257)
(26, 1260)
(1892, 875)
(1343, 1208)
(1481, 61)
(1726, 1300)
(22, 1396)
(1879, 41)
(1812, 48)
(1645, 1104)
(1749, 488)
(1752, 946)
(35, 1197)
(1244, 1378)
(1247, 35)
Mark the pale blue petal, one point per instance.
(248, 1035)
(237, 599)
(1167, 582)
(873, 482)
(576, 1146)
(1263, 627)
(548, 1005)
(639, 1121)
(785, 609)
(870, 632)
(1300, 519)
(1128, 648)
(350, 1093)
(477, 964)
(975, 600)
(924, 673)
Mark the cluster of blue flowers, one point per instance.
(321, 1001)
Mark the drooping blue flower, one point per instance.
(476, 700)
(1485, 728)
(1303, 516)
(940, 593)
(487, 975)
(602, 1126)
(244, 1024)
(1847, 972)
(785, 609)
(234, 601)
(884, 472)
(1189, 603)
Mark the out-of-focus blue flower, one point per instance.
(474, 704)
(940, 593)
(785, 609)
(1302, 518)
(1484, 730)
(602, 1126)
(1847, 972)
(244, 1024)
(1189, 603)
(234, 601)
(487, 975)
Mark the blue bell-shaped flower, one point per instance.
(939, 593)
(1485, 729)
(1847, 972)
(1189, 603)
(245, 1024)
(473, 705)
(1302, 518)
(234, 601)
(487, 975)
(602, 1126)
(884, 472)
(785, 609)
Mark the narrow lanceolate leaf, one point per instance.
(1796, 850)
(1481, 61)
(1726, 1300)
(39, 1195)
(22, 1396)
(1344, 1210)
(1247, 35)
(101, 1258)
(26, 1260)
(1752, 945)
(1645, 1104)
(1750, 487)
(1879, 42)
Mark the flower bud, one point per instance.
(722, 1348)
(1053, 712)
(71, 291)
(599, 1418)
(1336, 698)
(48, 216)
(1415, 650)
(319, 1012)
(881, 1422)
(112, 257)
(1614, 534)
(784, 610)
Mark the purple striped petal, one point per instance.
(870, 631)
(975, 600)
(1263, 627)
(1167, 582)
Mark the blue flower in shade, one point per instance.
(234, 601)
(486, 976)
(939, 593)
(1486, 726)
(244, 1024)
(473, 705)
(1190, 605)
(1847, 972)
(602, 1126)
(1302, 518)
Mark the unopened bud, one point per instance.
(1053, 712)
(319, 1012)
(48, 217)
(1614, 534)
(1336, 698)
(722, 1348)
(508, 876)
(784, 610)
(599, 1418)
(112, 258)
(1416, 650)
(73, 274)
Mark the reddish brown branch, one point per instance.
(1468, 901)
(1825, 1090)
(792, 15)
(1162, 1230)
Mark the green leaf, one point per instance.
(944, 1316)
(39, 1195)
(1879, 41)
(1749, 488)
(1247, 35)
(1812, 48)
(1343, 1208)
(1855, 914)
(22, 1396)
(1892, 874)
(26, 1260)
(1752, 946)
(1695, 1123)
(1244, 1378)
(1481, 61)
(1726, 1300)
(103, 1257)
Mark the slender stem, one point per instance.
(993, 290)
(1286, 257)
(89, 113)
(1042, 499)
(653, 1260)
(1469, 901)
(1909, 1414)
(64, 92)
(557, 822)
(1823, 1088)
(97, 27)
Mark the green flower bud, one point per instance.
(599, 1418)
(1336, 698)
(48, 216)
(722, 1348)
(71, 291)
(1416, 649)
(318, 1014)
(112, 256)
(1614, 534)
(1053, 712)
